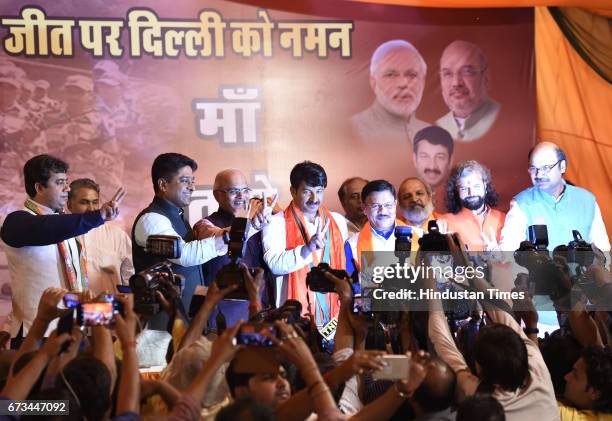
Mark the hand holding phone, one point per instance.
(396, 367)
(256, 334)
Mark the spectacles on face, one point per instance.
(544, 169)
(235, 192)
(379, 206)
(466, 72)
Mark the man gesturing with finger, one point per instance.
(41, 243)
(301, 237)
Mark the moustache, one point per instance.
(415, 205)
(309, 203)
(432, 171)
(542, 180)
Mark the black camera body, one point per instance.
(158, 277)
(145, 284)
(231, 274)
(317, 282)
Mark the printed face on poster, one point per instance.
(109, 87)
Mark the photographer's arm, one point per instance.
(445, 347)
(198, 323)
(47, 311)
(18, 387)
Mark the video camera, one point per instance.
(158, 277)
(231, 274)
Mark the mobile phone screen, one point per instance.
(71, 299)
(256, 334)
(95, 314)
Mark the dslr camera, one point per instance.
(158, 277)
(545, 277)
(231, 274)
(317, 282)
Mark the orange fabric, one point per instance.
(415, 236)
(468, 226)
(364, 241)
(296, 287)
(574, 104)
(603, 6)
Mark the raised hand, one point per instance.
(47, 306)
(317, 241)
(110, 209)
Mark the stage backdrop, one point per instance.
(259, 89)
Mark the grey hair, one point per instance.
(386, 47)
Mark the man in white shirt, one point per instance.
(173, 184)
(109, 249)
(302, 236)
(40, 243)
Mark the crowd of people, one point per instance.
(322, 356)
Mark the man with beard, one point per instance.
(379, 205)
(173, 184)
(305, 234)
(554, 203)
(233, 194)
(350, 199)
(397, 78)
(464, 77)
(416, 206)
(470, 200)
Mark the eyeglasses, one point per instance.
(544, 169)
(379, 206)
(466, 72)
(235, 192)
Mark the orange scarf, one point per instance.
(297, 235)
(364, 241)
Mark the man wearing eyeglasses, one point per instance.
(173, 184)
(233, 194)
(379, 205)
(554, 203)
(464, 78)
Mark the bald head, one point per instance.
(547, 164)
(231, 190)
(464, 77)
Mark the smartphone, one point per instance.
(257, 334)
(99, 313)
(71, 299)
(65, 323)
(197, 300)
(397, 368)
(124, 289)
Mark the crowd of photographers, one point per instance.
(277, 361)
